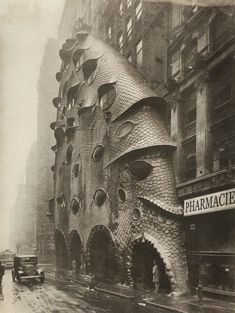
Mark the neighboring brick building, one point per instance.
(201, 76)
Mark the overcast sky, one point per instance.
(25, 26)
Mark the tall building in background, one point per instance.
(47, 88)
(23, 215)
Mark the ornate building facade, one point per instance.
(185, 55)
(114, 181)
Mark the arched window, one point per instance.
(89, 69)
(75, 206)
(69, 154)
(72, 96)
(107, 95)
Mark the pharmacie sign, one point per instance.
(213, 202)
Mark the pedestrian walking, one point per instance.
(155, 273)
(2, 272)
(74, 266)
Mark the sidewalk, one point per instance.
(183, 304)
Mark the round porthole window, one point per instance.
(99, 197)
(75, 206)
(125, 129)
(121, 194)
(140, 169)
(136, 215)
(98, 153)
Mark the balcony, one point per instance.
(208, 183)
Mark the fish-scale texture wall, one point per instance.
(104, 149)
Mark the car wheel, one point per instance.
(13, 276)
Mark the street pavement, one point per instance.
(65, 294)
(57, 295)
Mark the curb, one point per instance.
(133, 298)
(130, 298)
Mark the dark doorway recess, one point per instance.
(102, 257)
(143, 256)
(62, 260)
(75, 249)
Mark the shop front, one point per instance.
(210, 240)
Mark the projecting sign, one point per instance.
(213, 202)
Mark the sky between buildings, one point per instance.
(24, 27)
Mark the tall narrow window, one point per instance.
(129, 28)
(189, 150)
(175, 64)
(121, 9)
(109, 32)
(120, 42)
(188, 56)
(139, 54)
(138, 10)
(189, 104)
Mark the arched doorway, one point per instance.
(75, 251)
(102, 254)
(62, 260)
(143, 257)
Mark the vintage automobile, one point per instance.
(26, 268)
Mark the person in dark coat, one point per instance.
(2, 272)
